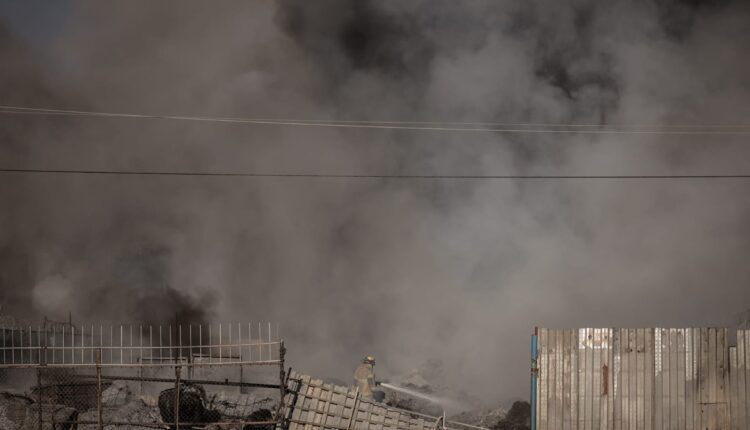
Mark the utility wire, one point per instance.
(353, 176)
(415, 126)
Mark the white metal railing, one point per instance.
(140, 345)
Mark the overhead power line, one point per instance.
(354, 176)
(414, 126)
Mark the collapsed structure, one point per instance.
(65, 377)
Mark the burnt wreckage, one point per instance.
(65, 377)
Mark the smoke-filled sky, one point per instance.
(403, 269)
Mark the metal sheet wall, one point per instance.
(637, 379)
(739, 381)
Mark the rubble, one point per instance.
(192, 408)
(257, 416)
(517, 418)
(120, 405)
(429, 379)
(117, 394)
(22, 413)
(134, 411)
(488, 418)
(232, 405)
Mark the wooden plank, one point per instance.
(553, 374)
(667, 390)
(582, 333)
(639, 381)
(658, 379)
(566, 382)
(721, 376)
(741, 372)
(713, 383)
(689, 388)
(616, 377)
(542, 394)
(703, 378)
(733, 388)
(634, 375)
(593, 374)
(682, 378)
(596, 371)
(625, 355)
(607, 374)
(559, 373)
(648, 383)
(746, 379)
(574, 379)
(696, 382)
(666, 375)
(640, 341)
(633, 378)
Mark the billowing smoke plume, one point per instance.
(405, 270)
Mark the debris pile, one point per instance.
(517, 418)
(192, 405)
(134, 411)
(488, 418)
(429, 380)
(238, 406)
(119, 405)
(22, 413)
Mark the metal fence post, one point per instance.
(39, 400)
(282, 380)
(177, 371)
(99, 388)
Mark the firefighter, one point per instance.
(364, 379)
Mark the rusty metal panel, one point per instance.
(721, 377)
(692, 352)
(636, 370)
(543, 348)
(582, 334)
(551, 380)
(633, 379)
(681, 377)
(658, 380)
(593, 381)
(733, 401)
(606, 374)
(616, 379)
(648, 383)
(640, 378)
(739, 373)
(595, 373)
(559, 389)
(566, 380)
(574, 400)
(625, 339)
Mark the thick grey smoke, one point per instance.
(402, 269)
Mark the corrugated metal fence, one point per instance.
(650, 379)
(739, 381)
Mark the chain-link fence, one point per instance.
(168, 396)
